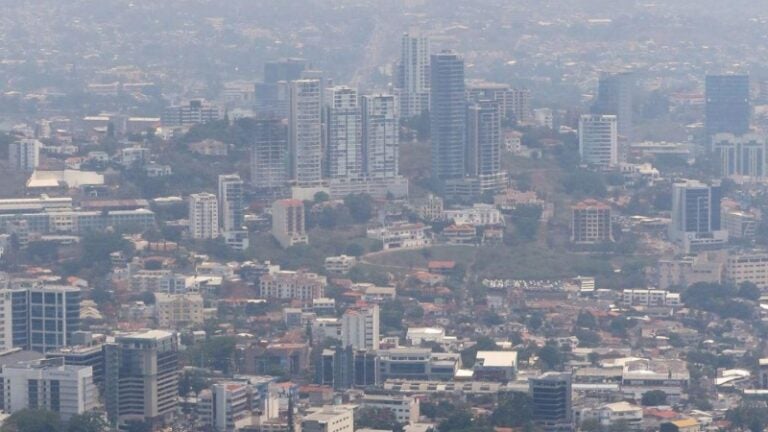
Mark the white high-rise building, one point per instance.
(231, 211)
(50, 385)
(226, 406)
(343, 145)
(381, 136)
(741, 156)
(413, 74)
(288, 222)
(24, 154)
(599, 140)
(203, 216)
(360, 327)
(306, 133)
(696, 216)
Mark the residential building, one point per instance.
(727, 104)
(194, 112)
(305, 132)
(740, 156)
(413, 80)
(284, 284)
(739, 224)
(203, 216)
(50, 385)
(498, 366)
(360, 327)
(343, 144)
(747, 267)
(551, 399)
(591, 222)
(448, 120)
(614, 97)
(417, 364)
(141, 378)
(477, 215)
(231, 204)
(269, 154)
(401, 236)
(696, 216)
(330, 418)
(406, 409)
(174, 311)
(158, 281)
(288, 222)
(430, 208)
(380, 136)
(483, 156)
(514, 104)
(341, 264)
(460, 234)
(598, 140)
(623, 414)
(24, 154)
(650, 297)
(690, 269)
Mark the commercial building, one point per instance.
(551, 399)
(344, 149)
(413, 78)
(625, 415)
(448, 120)
(289, 222)
(614, 97)
(330, 419)
(514, 104)
(91, 355)
(344, 368)
(226, 406)
(747, 267)
(269, 154)
(499, 366)
(158, 281)
(406, 409)
(284, 284)
(727, 104)
(305, 133)
(740, 156)
(360, 327)
(591, 222)
(598, 140)
(194, 112)
(650, 297)
(417, 364)
(24, 154)
(696, 216)
(203, 216)
(141, 378)
(49, 385)
(173, 311)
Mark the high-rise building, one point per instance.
(380, 136)
(269, 155)
(49, 385)
(727, 104)
(483, 156)
(591, 222)
(614, 97)
(141, 378)
(740, 156)
(288, 222)
(360, 327)
(203, 216)
(305, 133)
(344, 141)
(413, 75)
(514, 104)
(24, 154)
(551, 400)
(598, 140)
(231, 197)
(287, 69)
(696, 215)
(175, 311)
(195, 112)
(226, 406)
(448, 118)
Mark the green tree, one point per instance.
(514, 410)
(550, 357)
(469, 355)
(526, 219)
(377, 418)
(87, 422)
(752, 416)
(360, 207)
(32, 420)
(654, 398)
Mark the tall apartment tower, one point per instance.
(598, 140)
(141, 378)
(360, 327)
(448, 119)
(380, 136)
(696, 215)
(591, 222)
(484, 139)
(288, 222)
(727, 104)
(203, 216)
(231, 203)
(24, 154)
(305, 133)
(269, 154)
(413, 74)
(344, 141)
(551, 399)
(614, 97)
(740, 156)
